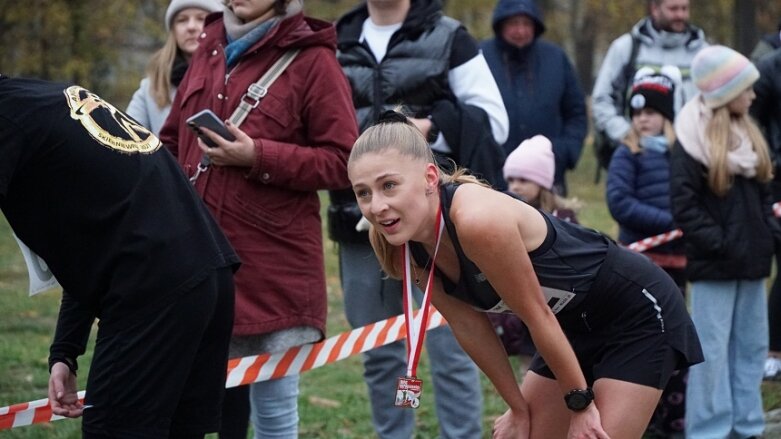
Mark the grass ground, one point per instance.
(333, 402)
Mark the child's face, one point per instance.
(740, 105)
(648, 122)
(528, 190)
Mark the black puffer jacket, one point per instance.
(730, 237)
(766, 109)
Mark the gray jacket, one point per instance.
(144, 109)
(657, 48)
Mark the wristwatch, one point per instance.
(433, 132)
(578, 399)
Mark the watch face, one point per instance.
(579, 399)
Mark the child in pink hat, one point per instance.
(529, 172)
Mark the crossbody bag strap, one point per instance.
(257, 90)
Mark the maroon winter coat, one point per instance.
(303, 130)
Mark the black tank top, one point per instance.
(566, 263)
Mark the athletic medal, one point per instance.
(408, 392)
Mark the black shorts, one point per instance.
(162, 373)
(632, 326)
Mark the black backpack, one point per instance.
(603, 145)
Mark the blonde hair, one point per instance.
(407, 140)
(548, 201)
(159, 71)
(719, 134)
(632, 140)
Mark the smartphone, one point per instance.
(207, 119)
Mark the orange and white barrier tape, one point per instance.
(262, 367)
(299, 359)
(27, 413)
(655, 241)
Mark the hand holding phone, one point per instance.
(207, 119)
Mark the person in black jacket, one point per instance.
(766, 109)
(96, 195)
(720, 192)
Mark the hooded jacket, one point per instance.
(539, 88)
(303, 131)
(656, 49)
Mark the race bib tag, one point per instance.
(408, 392)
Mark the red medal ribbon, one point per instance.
(416, 327)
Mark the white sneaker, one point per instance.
(772, 369)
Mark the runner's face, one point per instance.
(391, 190)
(671, 15)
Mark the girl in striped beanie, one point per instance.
(720, 195)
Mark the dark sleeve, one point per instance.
(569, 144)
(762, 106)
(772, 221)
(687, 188)
(12, 144)
(70, 338)
(464, 48)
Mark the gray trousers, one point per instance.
(368, 298)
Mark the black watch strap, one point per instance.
(579, 399)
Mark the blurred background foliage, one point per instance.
(104, 45)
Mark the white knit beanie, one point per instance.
(177, 5)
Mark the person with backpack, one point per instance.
(664, 37)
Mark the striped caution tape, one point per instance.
(655, 241)
(258, 368)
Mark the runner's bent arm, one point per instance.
(478, 338)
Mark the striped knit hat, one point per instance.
(721, 74)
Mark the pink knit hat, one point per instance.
(721, 74)
(532, 160)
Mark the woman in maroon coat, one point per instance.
(262, 187)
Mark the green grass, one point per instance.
(333, 402)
